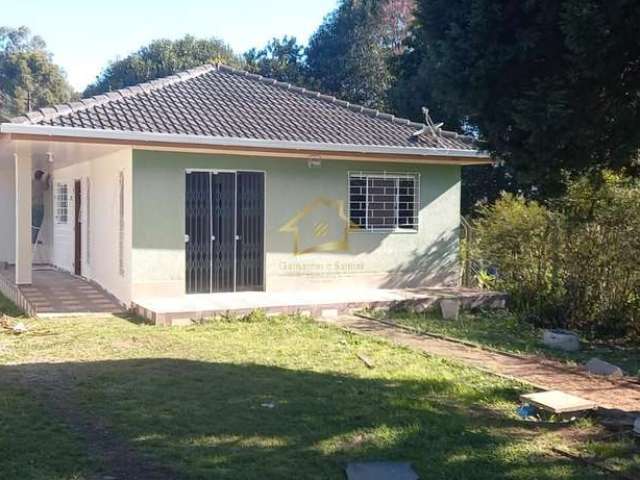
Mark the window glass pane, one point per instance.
(62, 203)
(383, 201)
(358, 202)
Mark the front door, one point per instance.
(224, 231)
(77, 224)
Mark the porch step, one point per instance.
(54, 293)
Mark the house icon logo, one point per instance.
(321, 226)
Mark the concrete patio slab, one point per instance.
(165, 311)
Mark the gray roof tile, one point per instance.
(219, 101)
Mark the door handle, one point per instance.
(186, 239)
(237, 237)
(213, 238)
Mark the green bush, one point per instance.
(574, 262)
(518, 242)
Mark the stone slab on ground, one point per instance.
(606, 369)
(381, 471)
(557, 402)
(561, 340)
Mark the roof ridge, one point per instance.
(343, 103)
(49, 113)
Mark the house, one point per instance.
(218, 180)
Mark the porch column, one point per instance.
(24, 253)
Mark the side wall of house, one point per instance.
(7, 211)
(380, 259)
(105, 250)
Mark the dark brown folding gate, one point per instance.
(77, 225)
(224, 231)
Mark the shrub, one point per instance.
(602, 255)
(574, 262)
(518, 241)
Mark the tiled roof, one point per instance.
(222, 102)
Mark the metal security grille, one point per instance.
(250, 221)
(224, 231)
(384, 201)
(198, 232)
(223, 201)
(62, 203)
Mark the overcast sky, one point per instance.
(84, 35)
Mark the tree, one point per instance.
(349, 54)
(282, 59)
(159, 59)
(28, 77)
(549, 84)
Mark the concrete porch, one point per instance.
(182, 309)
(53, 293)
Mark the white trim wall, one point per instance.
(103, 267)
(7, 211)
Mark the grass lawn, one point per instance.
(35, 444)
(278, 398)
(504, 331)
(8, 308)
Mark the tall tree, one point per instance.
(159, 59)
(28, 77)
(549, 84)
(349, 54)
(282, 59)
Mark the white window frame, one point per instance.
(62, 203)
(395, 228)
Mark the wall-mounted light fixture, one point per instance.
(314, 163)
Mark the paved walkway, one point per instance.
(542, 373)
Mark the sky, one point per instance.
(84, 35)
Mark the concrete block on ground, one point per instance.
(329, 313)
(381, 471)
(606, 369)
(561, 340)
(181, 322)
(450, 308)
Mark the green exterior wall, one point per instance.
(371, 259)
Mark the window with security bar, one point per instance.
(384, 201)
(62, 203)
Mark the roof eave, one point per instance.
(56, 133)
